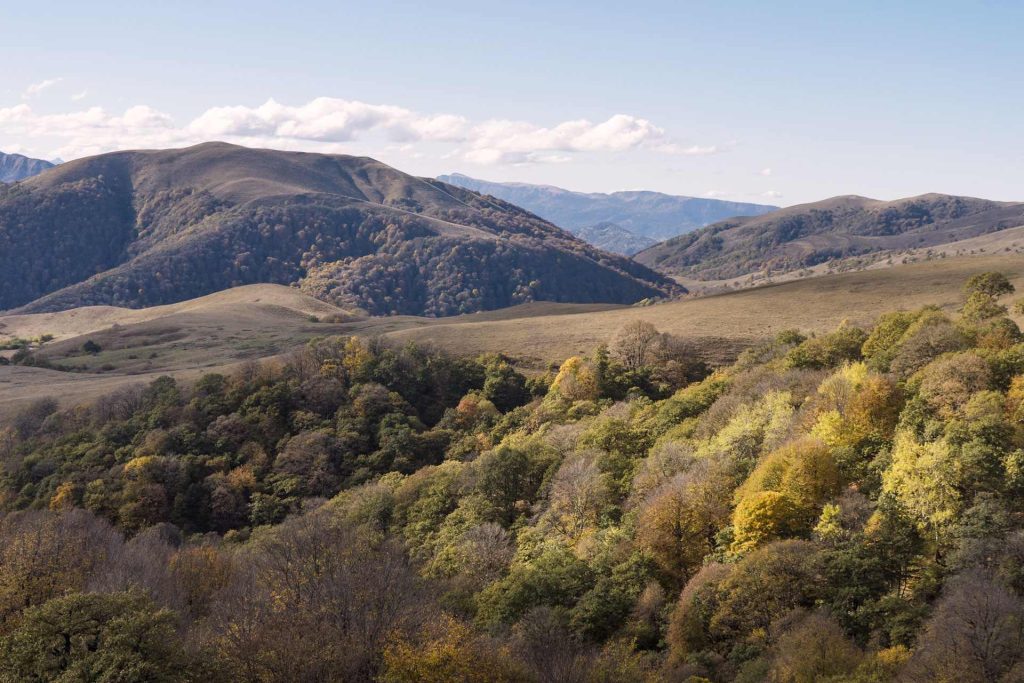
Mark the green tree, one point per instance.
(505, 387)
(980, 306)
(992, 284)
(119, 637)
(814, 649)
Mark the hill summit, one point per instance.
(841, 227)
(141, 228)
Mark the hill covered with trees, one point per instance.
(802, 236)
(153, 227)
(841, 507)
(614, 238)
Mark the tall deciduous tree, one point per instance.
(634, 343)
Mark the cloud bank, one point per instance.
(328, 124)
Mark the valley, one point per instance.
(221, 331)
(511, 342)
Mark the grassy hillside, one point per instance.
(802, 237)
(154, 227)
(255, 322)
(720, 326)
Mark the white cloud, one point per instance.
(771, 194)
(331, 124)
(717, 194)
(78, 96)
(36, 88)
(766, 171)
(502, 141)
(93, 130)
(325, 119)
(689, 151)
(16, 114)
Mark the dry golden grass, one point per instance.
(87, 319)
(217, 332)
(721, 325)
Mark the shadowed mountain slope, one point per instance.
(614, 238)
(15, 167)
(143, 228)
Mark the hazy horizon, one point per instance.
(750, 103)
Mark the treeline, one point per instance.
(842, 507)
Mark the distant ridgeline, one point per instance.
(15, 167)
(804, 236)
(620, 222)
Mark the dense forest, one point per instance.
(840, 507)
(139, 229)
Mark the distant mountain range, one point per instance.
(152, 227)
(809, 234)
(614, 238)
(640, 214)
(15, 167)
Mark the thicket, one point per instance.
(841, 507)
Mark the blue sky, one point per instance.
(753, 101)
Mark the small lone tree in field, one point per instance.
(983, 291)
(992, 284)
(634, 343)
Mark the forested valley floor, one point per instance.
(845, 506)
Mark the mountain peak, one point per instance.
(145, 227)
(15, 167)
